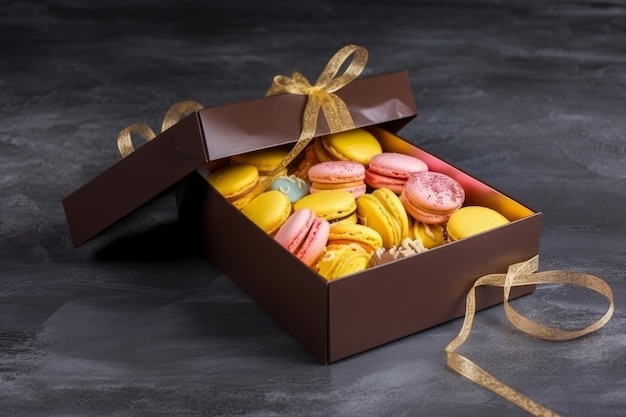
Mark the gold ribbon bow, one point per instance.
(522, 274)
(172, 116)
(320, 96)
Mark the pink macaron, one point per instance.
(338, 175)
(432, 197)
(391, 169)
(305, 235)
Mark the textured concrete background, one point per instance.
(528, 96)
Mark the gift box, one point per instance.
(332, 319)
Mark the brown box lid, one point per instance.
(217, 132)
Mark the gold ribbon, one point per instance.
(320, 96)
(173, 115)
(522, 274)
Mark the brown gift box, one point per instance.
(336, 319)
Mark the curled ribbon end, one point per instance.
(522, 273)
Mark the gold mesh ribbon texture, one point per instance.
(173, 115)
(320, 96)
(522, 274)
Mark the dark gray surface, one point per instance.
(527, 96)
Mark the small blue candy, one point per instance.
(293, 187)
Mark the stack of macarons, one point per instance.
(340, 261)
(238, 180)
(265, 160)
(305, 235)
(383, 211)
(338, 175)
(391, 170)
(336, 206)
(346, 204)
(357, 145)
(349, 250)
(431, 197)
(354, 234)
(236, 183)
(269, 210)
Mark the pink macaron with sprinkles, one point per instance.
(338, 175)
(432, 197)
(305, 235)
(391, 170)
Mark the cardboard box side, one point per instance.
(285, 288)
(135, 180)
(353, 314)
(401, 298)
(277, 120)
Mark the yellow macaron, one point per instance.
(431, 235)
(471, 220)
(346, 234)
(235, 183)
(352, 145)
(268, 210)
(339, 261)
(383, 211)
(265, 160)
(336, 206)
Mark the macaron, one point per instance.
(235, 183)
(336, 206)
(431, 235)
(305, 235)
(346, 234)
(265, 160)
(383, 211)
(338, 175)
(432, 197)
(310, 158)
(391, 169)
(342, 260)
(471, 220)
(292, 186)
(268, 210)
(351, 145)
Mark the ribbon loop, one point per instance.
(320, 96)
(177, 111)
(522, 274)
(124, 138)
(327, 78)
(296, 84)
(326, 81)
(558, 277)
(173, 115)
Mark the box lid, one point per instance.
(218, 132)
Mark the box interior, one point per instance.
(338, 319)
